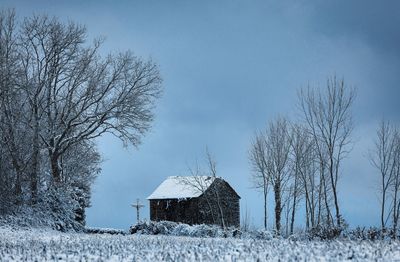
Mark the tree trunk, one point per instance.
(35, 159)
(18, 178)
(278, 207)
(383, 209)
(293, 214)
(18, 187)
(265, 206)
(326, 202)
(211, 209)
(287, 215)
(335, 199)
(34, 181)
(312, 208)
(55, 168)
(328, 209)
(294, 205)
(395, 219)
(319, 201)
(221, 212)
(395, 215)
(307, 213)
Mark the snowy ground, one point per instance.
(42, 245)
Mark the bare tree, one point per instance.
(197, 181)
(299, 149)
(328, 116)
(57, 94)
(76, 95)
(383, 157)
(278, 149)
(202, 180)
(269, 156)
(310, 182)
(395, 185)
(260, 178)
(212, 167)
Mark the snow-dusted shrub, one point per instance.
(202, 231)
(153, 228)
(55, 210)
(327, 231)
(183, 230)
(111, 231)
(261, 234)
(362, 233)
(324, 232)
(205, 231)
(371, 233)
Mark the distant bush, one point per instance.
(180, 229)
(327, 231)
(111, 231)
(371, 233)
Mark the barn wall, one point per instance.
(185, 211)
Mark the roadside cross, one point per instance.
(137, 206)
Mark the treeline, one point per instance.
(57, 94)
(299, 163)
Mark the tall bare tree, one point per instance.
(260, 178)
(383, 157)
(278, 148)
(300, 148)
(328, 116)
(78, 96)
(395, 187)
(57, 94)
(309, 180)
(269, 156)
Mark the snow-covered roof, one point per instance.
(176, 187)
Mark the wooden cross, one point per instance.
(137, 206)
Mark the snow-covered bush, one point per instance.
(371, 233)
(327, 231)
(153, 228)
(111, 231)
(55, 210)
(180, 229)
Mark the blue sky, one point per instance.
(228, 68)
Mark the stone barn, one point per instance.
(195, 200)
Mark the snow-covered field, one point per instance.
(42, 245)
